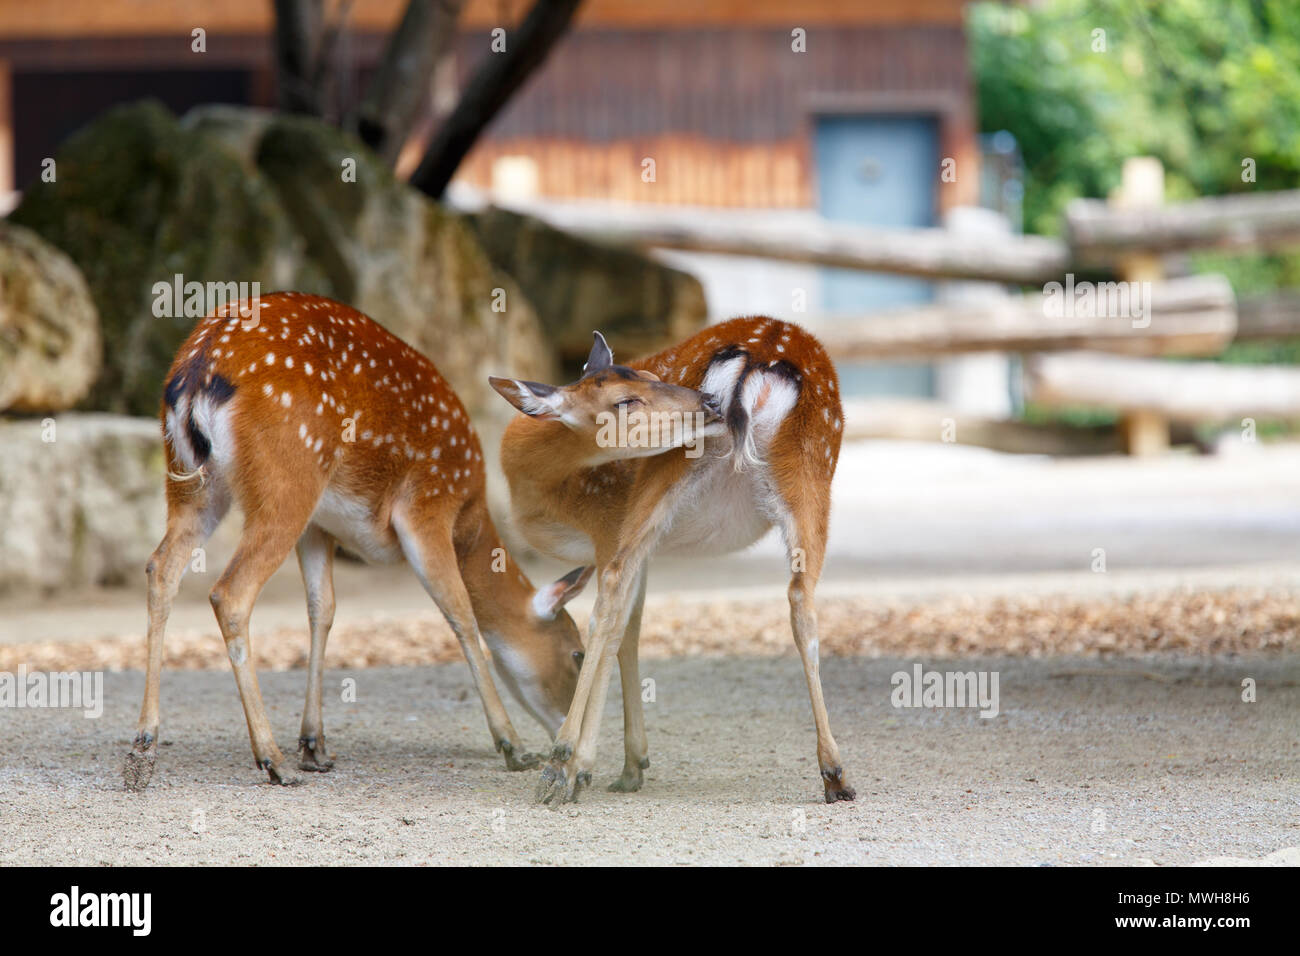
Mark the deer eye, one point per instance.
(578, 656)
(627, 402)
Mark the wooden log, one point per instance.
(1100, 237)
(927, 253)
(1189, 316)
(1183, 391)
(930, 421)
(1274, 315)
(1098, 233)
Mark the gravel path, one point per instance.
(1181, 619)
(1089, 762)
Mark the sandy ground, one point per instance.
(1085, 764)
(1104, 624)
(1123, 742)
(908, 519)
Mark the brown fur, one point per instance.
(310, 375)
(624, 506)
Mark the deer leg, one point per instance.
(434, 559)
(316, 561)
(191, 516)
(574, 754)
(635, 747)
(805, 534)
(269, 536)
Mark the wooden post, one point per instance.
(1144, 432)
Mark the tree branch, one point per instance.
(400, 87)
(495, 81)
(299, 31)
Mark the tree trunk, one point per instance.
(497, 78)
(299, 35)
(401, 86)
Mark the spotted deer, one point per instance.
(326, 429)
(770, 424)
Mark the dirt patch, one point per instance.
(1104, 769)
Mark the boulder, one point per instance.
(81, 501)
(229, 194)
(413, 265)
(577, 286)
(49, 329)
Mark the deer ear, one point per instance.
(547, 601)
(600, 356)
(532, 398)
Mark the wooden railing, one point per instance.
(1125, 239)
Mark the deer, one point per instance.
(762, 399)
(327, 430)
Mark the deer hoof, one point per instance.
(561, 753)
(313, 757)
(629, 782)
(280, 774)
(556, 786)
(520, 761)
(837, 787)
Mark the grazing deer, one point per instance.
(326, 429)
(578, 495)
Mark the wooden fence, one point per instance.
(1126, 238)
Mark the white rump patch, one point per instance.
(768, 398)
(720, 380)
(179, 435)
(213, 421)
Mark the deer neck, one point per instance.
(499, 591)
(539, 457)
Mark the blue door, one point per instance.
(878, 171)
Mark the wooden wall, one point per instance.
(709, 89)
(726, 114)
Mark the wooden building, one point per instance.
(739, 103)
(852, 110)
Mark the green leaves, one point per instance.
(1202, 84)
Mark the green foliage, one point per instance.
(1201, 84)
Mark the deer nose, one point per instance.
(713, 408)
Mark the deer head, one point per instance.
(623, 412)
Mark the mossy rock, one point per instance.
(578, 286)
(136, 200)
(50, 351)
(227, 194)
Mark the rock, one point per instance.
(49, 329)
(385, 249)
(83, 509)
(577, 286)
(236, 195)
(136, 200)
